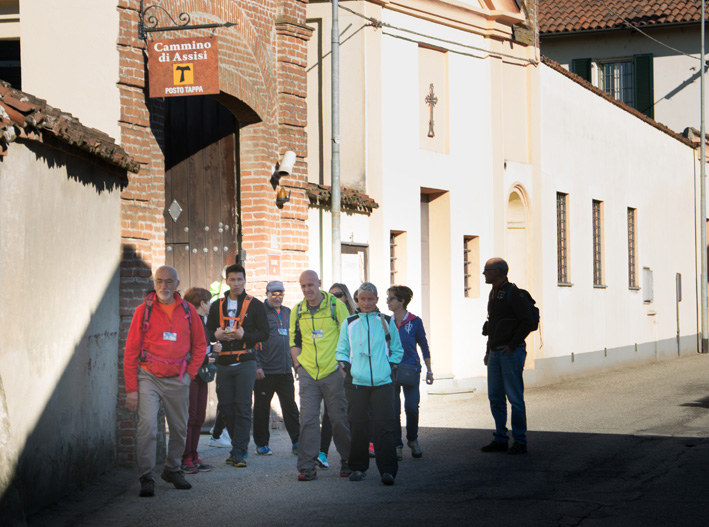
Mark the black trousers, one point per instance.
(379, 400)
(282, 385)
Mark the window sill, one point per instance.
(565, 284)
(634, 288)
(600, 286)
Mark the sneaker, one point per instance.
(387, 479)
(322, 460)
(400, 453)
(222, 442)
(239, 461)
(188, 467)
(517, 448)
(202, 467)
(308, 475)
(494, 446)
(263, 451)
(415, 449)
(345, 470)
(294, 449)
(357, 476)
(147, 487)
(371, 449)
(177, 479)
(230, 460)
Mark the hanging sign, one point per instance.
(183, 66)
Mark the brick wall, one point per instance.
(262, 79)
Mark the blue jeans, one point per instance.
(505, 383)
(412, 397)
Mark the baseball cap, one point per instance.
(276, 285)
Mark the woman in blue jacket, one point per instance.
(368, 348)
(411, 332)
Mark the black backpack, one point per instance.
(533, 309)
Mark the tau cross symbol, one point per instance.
(431, 100)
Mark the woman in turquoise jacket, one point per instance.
(368, 348)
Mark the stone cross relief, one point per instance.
(431, 100)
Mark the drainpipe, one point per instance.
(703, 206)
(335, 161)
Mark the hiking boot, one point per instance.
(147, 487)
(188, 467)
(400, 453)
(294, 449)
(345, 470)
(177, 479)
(415, 449)
(494, 446)
(202, 467)
(357, 476)
(264, 451)
(387, 479)
(371, 450)
(222, 442)
(307, 475)
(322, 460)
(230, 460)
(517, 448)
(239, 461)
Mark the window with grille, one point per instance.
(562, 238)
(597, 215)
(397, 257)
(392, 258)
(632, 248)
(471, 266)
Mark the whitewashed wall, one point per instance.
(70, 57)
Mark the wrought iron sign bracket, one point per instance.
(148, 23)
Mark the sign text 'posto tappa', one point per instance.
(182, 52)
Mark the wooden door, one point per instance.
(200, 189)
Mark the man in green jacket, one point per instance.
(314, 332)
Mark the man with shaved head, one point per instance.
(314, 331)
(509, 321)
(165, 348)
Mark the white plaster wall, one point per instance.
(70, 58)
(465, 172)
(59, 274)
(676, 76)
(594, 150)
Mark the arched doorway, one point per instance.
(517, 251)
(201, 152)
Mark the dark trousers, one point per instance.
(282, 385)
(235, 386)
(412, 396)
(379, 400)
(198, 410)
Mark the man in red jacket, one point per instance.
(164, 350)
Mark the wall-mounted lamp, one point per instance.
(282, 199)
(284, 168)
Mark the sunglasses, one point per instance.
(339, 294)
(390, 298)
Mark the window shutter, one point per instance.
(582, 68)
(643, 92)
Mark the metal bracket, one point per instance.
(149, 23)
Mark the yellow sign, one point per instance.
(183, 66)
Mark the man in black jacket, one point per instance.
(509, 321)
(275, 374)
(239, 322)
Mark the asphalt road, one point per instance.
(623, 448)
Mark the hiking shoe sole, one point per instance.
(357, 476)
(177, 479)
(387, 479)
(307, 475)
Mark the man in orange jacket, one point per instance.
(164, 350)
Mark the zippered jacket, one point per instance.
(509, 318)
(363, 344)
(188, 339)
(275, 355)
(412, 332)
(316, 334)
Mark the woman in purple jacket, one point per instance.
(411, 332)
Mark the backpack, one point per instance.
(533, 309)
(333, 312)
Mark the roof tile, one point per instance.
(564, 16)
